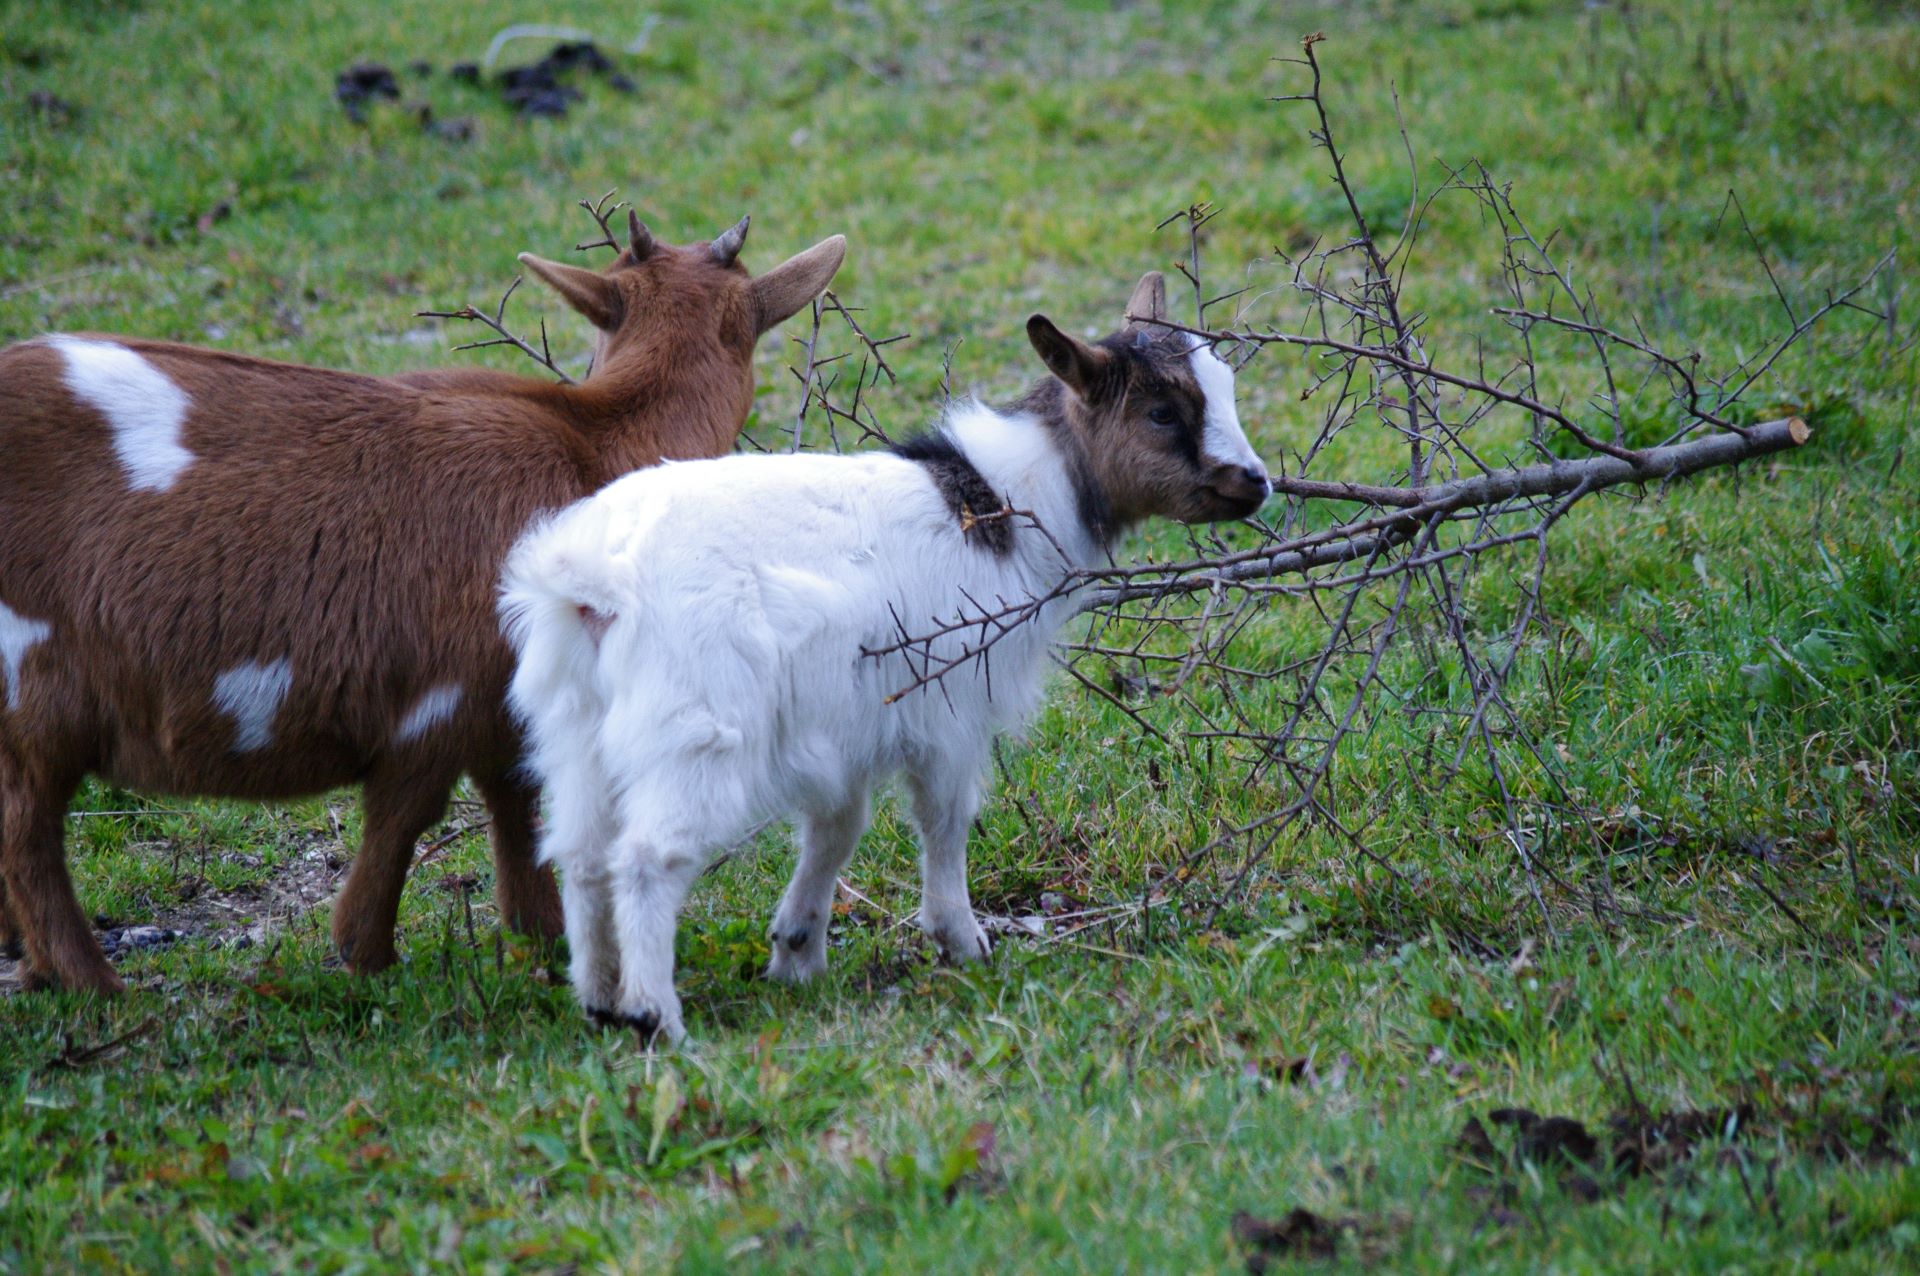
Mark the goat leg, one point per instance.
(799, 930)
(398, 805)
(650, 881)
(945, 800)
(527, 895)
(61, 950)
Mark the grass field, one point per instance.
(1736, 679)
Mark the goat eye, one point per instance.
(1164, 415)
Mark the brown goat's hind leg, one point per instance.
(61, 951)
(528, 898)
(397, 807)
(10, 947)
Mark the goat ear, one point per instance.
(1149, 300)
(796, 281)
(1072, 360)
(591, 293)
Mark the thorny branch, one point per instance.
(823, 383)
(600, 211)
(1497, 452)
(497, 321)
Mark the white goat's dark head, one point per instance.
(1155, 411)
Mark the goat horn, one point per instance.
(641, 237)
(728, 245)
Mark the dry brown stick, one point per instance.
(831, 301)
(1656, 465)
(76, 1057)
(806, 375)
(598, 210)
(497, 321)
(1379, 275)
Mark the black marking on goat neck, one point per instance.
(1047, 402)
(984, 517)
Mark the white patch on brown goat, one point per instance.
(142, 405)
(250, 694)
(17, 634)
(428, 712)
(1224, 443)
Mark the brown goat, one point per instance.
(226, 576)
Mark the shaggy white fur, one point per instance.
(691, 662)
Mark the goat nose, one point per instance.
(1256, 474)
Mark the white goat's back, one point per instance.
(743, 594)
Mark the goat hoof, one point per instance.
(976, 947)
(105, 981)
(646, 1023)
(795, 965)
(959, 939)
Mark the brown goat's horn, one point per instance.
(728, 246)
(640, 237)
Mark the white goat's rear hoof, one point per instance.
(797, 956)
(648, 1024)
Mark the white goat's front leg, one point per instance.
(944, 803)
(650, 880)
(799, 930)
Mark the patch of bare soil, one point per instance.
(236, 918)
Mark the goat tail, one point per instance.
(554, 614)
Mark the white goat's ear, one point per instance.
(796, 281)
(1072, 360)
(594, 295)
(1149, 300)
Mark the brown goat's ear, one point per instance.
(591, 293)
(1073, 361)
(796, 281)
(1149, 300)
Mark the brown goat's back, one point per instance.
(264, 625)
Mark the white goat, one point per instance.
(691, 640)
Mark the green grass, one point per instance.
(1731, 676)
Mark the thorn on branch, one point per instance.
(497, 322)
(598, 210)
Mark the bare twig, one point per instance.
(497, 321)
(600, 212)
